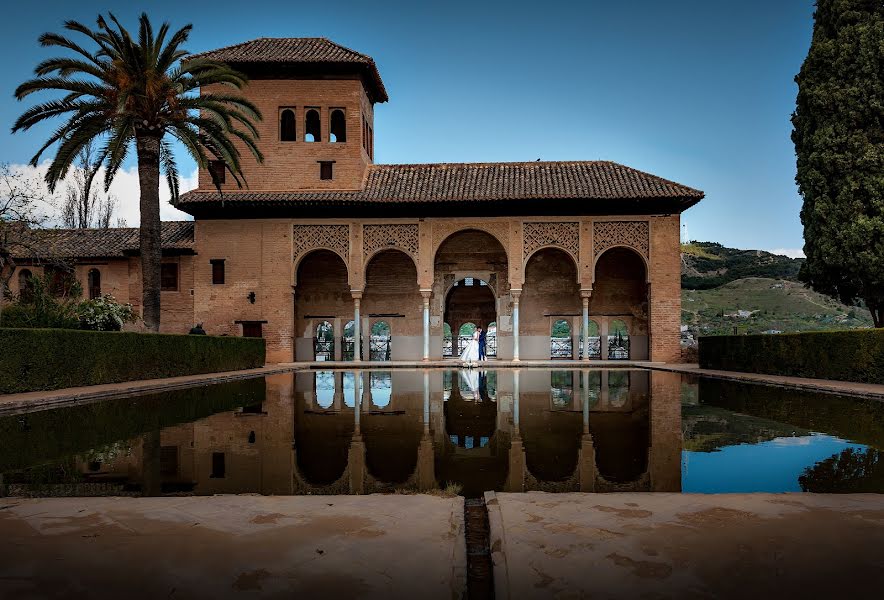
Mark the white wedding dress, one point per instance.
(471, 352)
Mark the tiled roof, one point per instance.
(478, 182)
(116, 242)
(298, 51)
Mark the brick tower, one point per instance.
(317, 101)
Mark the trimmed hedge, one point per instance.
(855, 355)
(49, 359)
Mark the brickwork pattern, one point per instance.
(562, 235)
(607, 234)
(377, 237)
(311, 237)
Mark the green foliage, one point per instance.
(47, 359)
(40, 307)
(853, 471)
(105, 314)
(839, 141)
(779, 305)
(856, 355)
(707, 265)
(561, 329)
(119, 87)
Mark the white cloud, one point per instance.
(126, 189)
(790, 252)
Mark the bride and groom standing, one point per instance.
(475, 349)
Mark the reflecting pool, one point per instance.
(342, 432)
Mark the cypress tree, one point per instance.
(839, 142)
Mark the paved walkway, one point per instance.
(851, 388)
(243, 546)
(686, 546)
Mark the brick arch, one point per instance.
(641, 256)
(303, 255)
(370, 257)
(574, 258)
(497, 232)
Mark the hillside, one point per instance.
(707, 265)
(759, 304)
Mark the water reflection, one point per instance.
(340, 432)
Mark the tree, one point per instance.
(839, 142)
(82, 205)
(139, 92)
(22, 201)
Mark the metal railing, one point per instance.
(618, 347)
(595, 348)
(323, 349)
(463, 340)
(379, 347)
(560, 347)
(347, 344)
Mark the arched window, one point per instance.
(338, 127)
(312, 127)
(348, 341)
(325, 389)
(447, 340)
(94, 283)
(491, 337)
(287, 126)
(25, 286)
(618, 340)
(381, 388)
(560, 345)
(595, 345)
(379, 344)
(464, 335)
(324, 342)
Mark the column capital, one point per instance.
(357, 294)
(516, 293)
(586, 293)
(426, 294)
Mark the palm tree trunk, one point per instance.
(148, 149)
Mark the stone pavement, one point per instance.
(686, 546)
(393, 546)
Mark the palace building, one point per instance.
(328, 254)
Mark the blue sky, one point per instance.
(696, 91)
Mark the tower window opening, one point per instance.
(287, 126)
(338, 126)
(217, 171)
(325, 169)
(313, 127)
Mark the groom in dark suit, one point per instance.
(481, 344)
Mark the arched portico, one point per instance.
(322, 295)
(620, 303)
(392, 295)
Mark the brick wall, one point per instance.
(665, 277)
(293, 165)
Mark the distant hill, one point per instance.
(707, 265)
(760, 304)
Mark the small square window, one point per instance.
(325, 169)
(169, 277)
(217, 271)
(217, 171)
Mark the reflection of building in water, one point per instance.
(331, 432)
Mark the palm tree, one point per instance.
(145, 91)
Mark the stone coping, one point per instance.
(243, 546)
(643, 545)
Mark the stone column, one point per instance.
(603, 339)
(426, 296)
(516, 294)
(357, 325)
(338, 394)
(426, 402)
(337, 340)
(585, 295)
(515, 481)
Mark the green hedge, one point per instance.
(48, 359)
(855, 355)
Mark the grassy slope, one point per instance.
(781, 304)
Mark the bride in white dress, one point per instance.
(471, 352)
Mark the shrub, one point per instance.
(47, 359)
(105, 314)
(855, 355)
(42, 308)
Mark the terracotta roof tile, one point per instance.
(477, 182)
(298, 51)
(116, 242)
